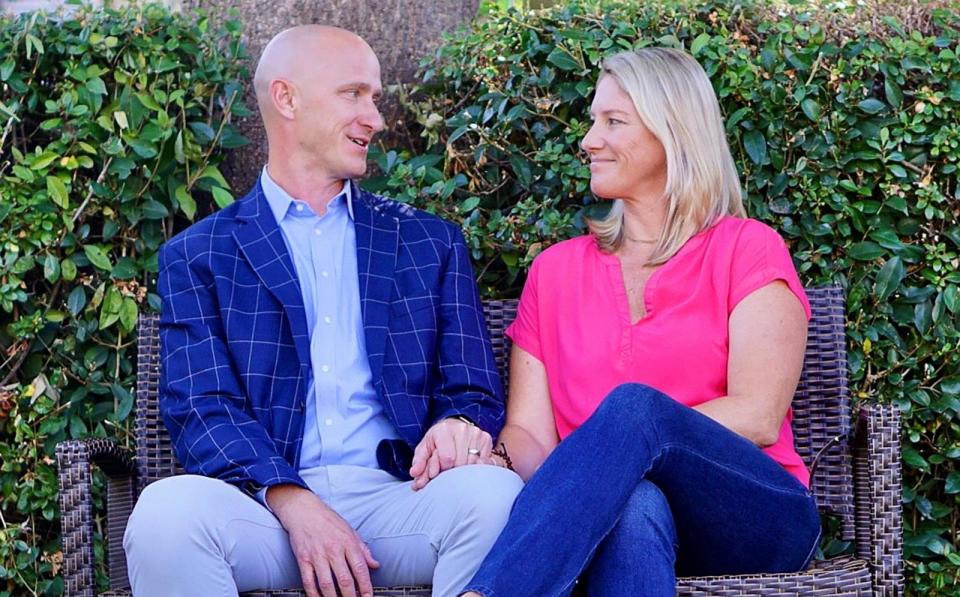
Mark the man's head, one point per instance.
(317, 89)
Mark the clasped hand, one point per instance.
(449, 444)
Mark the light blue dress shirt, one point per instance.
(344, 419)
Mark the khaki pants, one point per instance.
(193, 535)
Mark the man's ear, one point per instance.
(283, 96)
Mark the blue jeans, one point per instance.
(646, 489)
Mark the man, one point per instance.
(320, 345)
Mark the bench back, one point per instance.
(821, 408)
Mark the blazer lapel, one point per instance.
(261, 242)
(378, 235)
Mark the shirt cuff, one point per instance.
(261, 496)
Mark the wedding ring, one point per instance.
(473, 451)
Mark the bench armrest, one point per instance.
(878, 494)
(74, 460)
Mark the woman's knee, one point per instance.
(646, 518)
(634, 401)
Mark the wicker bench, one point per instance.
(856, 473)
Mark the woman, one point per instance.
(663, 349)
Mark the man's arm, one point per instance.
(469, 385)
(201, 398)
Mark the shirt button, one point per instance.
(317, 231)
(327, 319)
(325, 273)
(325, 368)
(299, 206)
(328, 422)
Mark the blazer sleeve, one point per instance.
(468, 383)
(202, 401)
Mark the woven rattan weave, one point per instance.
(856, 476)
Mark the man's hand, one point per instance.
(329, 552)
(449, 444)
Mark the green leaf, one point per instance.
(811, 108)
(872, 106)
(914, 459)
(950, 385)
(97, 257)
(77, 300)
(952, 484)
(51, 268)
(563, 60)
(698, 43)
(57, 192)
(756, 146)
(186, 202)
(222, 197)
(45, 160)
(96, 86)
(128, 314)
(154, 210)
(889, 278)
(214, 173)
(865, 251)
(68, 270)
(125, 269)
(110, 309)
(124, 401)
(148, 102)
(892, 92)
(951, 298)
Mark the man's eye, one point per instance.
(614, 121)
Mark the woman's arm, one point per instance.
(768, 335)
(530, 433)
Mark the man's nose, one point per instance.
(372, 118)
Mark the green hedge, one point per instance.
(848, 144)
(113, 126)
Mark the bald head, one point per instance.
(297, 53)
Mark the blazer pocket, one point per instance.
(410, 305)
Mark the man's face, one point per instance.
(338, 115)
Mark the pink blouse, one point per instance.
(574, 318)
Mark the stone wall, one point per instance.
(400, 32)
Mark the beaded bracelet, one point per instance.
(501, 451)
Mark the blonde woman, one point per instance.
(653, 365)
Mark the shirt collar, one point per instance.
(280, 201)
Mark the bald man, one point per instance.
(327, 378)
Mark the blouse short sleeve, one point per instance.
(525, 329)
(761, 257)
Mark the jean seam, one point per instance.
(800, 492)
(484, 591)
(816, 541)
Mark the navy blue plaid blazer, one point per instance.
(235, 347)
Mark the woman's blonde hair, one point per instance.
(675, 101)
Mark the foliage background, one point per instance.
(113, 127)
(845, 125)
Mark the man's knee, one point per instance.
(481, 496)
(173, 512)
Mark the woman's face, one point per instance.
(626, 160)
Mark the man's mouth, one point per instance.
(359, 141)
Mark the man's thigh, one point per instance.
(408, 530)
(203, 529)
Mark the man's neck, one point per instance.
(302, 182)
